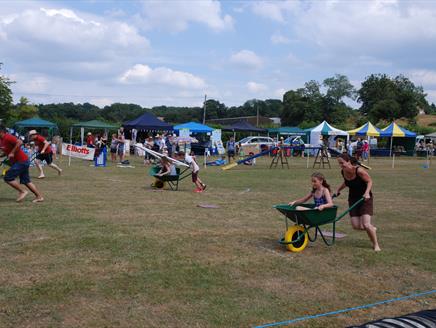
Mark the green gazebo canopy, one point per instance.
(35, 122)
(288, 130)
(95, 124)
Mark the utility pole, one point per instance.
(257, 114)
(204, 110)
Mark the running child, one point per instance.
(190, 160)
(45, 153)
(320, 193)
(11, 146)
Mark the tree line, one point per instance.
(381, 98)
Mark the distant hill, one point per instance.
(427, 120)
(423, 120)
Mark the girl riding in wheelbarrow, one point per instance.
(320, 193)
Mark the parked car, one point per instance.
(264, 142)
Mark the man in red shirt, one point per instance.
(19, 166)
(90, 140)
(45, 153)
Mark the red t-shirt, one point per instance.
(90, 140)
(7, 143)
(39, 141)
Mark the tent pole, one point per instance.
(369, 149)
(71, 142)
(390, 152)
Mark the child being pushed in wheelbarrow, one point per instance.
(320, 193)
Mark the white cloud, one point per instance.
(423, 77)
(143, 74)
(256, 87)
(36, 37)
(101, 102)
(278, 38)
(246, 59)
(293, 59)
(26, 83)
(274, 10)
(376, 26)
(177, 15)
(280, 92)
(431, 96)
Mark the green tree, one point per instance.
(295, 108)
(215, 109)
(384, 98)
(120, 113)
(5, 96)
(23, 110)
(339, 87)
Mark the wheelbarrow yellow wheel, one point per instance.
(293, 234)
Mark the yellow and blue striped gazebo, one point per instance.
(366, 130)
(394, 130)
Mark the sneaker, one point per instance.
(198, 190)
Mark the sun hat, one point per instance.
(31, 132)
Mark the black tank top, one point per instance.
(357, 186)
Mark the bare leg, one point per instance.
(371, 231)
(356, 223)
(57, 168)
(302, 208)
(39, 167)
(35, 191)
(22, 193)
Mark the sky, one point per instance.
(175, 52)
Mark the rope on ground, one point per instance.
(366, 306)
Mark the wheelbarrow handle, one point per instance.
(349, 209)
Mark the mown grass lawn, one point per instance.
(104, 250)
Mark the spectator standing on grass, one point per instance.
(90, 140)
(365, 150)
(359, 146)
(113, 147)
(359, 184)
(121, 144)
(350, 149)
(231, 148)
(149, 143)
(11, 146)
(45, 153)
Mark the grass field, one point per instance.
(104, 250)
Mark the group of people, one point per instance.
(359, 183)
(117, 146)
(13, 148)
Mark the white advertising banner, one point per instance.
(184, 133)
(216, 136)
(78, 151)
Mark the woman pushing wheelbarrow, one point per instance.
(359, 184)
(309, 217)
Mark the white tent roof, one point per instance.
(325, 129)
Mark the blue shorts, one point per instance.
(19, 169)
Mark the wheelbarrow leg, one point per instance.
(328, 243)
